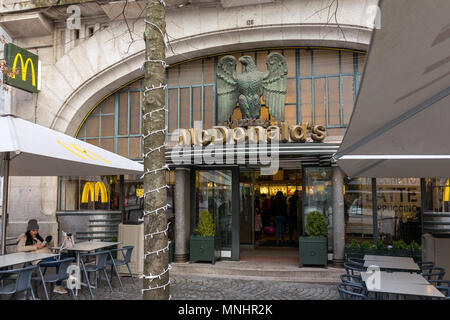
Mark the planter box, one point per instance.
(353, 253)
(203, 248)
(313, 251)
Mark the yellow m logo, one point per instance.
(81, 152)
(24, 68)
(94, 190)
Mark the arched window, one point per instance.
(321, 89)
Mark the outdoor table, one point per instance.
(398, 277)
(396, 263)
(387, 258)
(12, 259)
(391, 285)
(88, 246)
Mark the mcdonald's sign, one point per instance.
(26, 63)
(91, 191)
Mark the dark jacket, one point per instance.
(279, 207)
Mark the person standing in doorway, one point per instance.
(292, 220)
(279, 209)
(265, 211)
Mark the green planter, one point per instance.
(313, 251)
(353, 253)
(203, 248)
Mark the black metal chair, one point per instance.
(351, 292)
(436, 273)
(21, 283)
(60, 276)
(443, 286)
(425, 265)
(353, 270)
(114, 263)
(100, 265)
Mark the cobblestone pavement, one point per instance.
(189, 287)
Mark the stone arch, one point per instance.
(80, 87)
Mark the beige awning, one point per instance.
(400, 126)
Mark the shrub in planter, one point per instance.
(400, 248)
(368, 248)
(382, 249)
(353, 250)
(415, 251)
(203, 242)
(313, 250)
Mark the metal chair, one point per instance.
(425, 265)
(60, 276)
(21, 283)
(436, 273)
(100, 265)
(351, 292)
(353, 270)
(352, 279)
(126, 253)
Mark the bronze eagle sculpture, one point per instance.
(248, 87)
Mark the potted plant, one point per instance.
(381, 248)
(353, 250)
(203, 242)
(415, 251)
(368, 248)
(400, 248)
(313, 250)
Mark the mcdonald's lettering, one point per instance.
(24, 67)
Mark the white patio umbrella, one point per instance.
(400, 126)
(28, 149)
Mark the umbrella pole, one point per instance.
(5, 199)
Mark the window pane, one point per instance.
(191, 72)
(80, 134)
(134, 112)
(290, 113)
(185, 115)
(173, 109)
(305, 62)
(122, 147)
(208, 120)
(333, 101)
(108, 144)
(289, 54)
(208, 65)
(134, 148)
(107, 126)
(306, 101)
(319, 102)
(326, 62)
(291, 95)
(93, 141)
(123, 113)
(347, 62)
(334, 132)
(358, 209)
(92, 127)
(261, 60)
(197, 104)
(108, 105)
(136, 85)
(347, 98)
(361, 61)
(173, 76)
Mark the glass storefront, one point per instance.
(214, 194)
(318, 196)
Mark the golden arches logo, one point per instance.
(81, 152)
(24, 68)
(94, 191)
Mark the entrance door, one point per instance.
(317, 195)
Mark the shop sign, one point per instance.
(252, 135)
(24, 67)
(94, 190)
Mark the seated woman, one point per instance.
(32, 241)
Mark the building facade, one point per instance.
(91, 57)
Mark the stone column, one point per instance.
(182, 214)
(338, 216)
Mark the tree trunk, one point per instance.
(155, 76)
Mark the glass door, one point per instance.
(318, 196)
(246, 210)
(214, 194)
